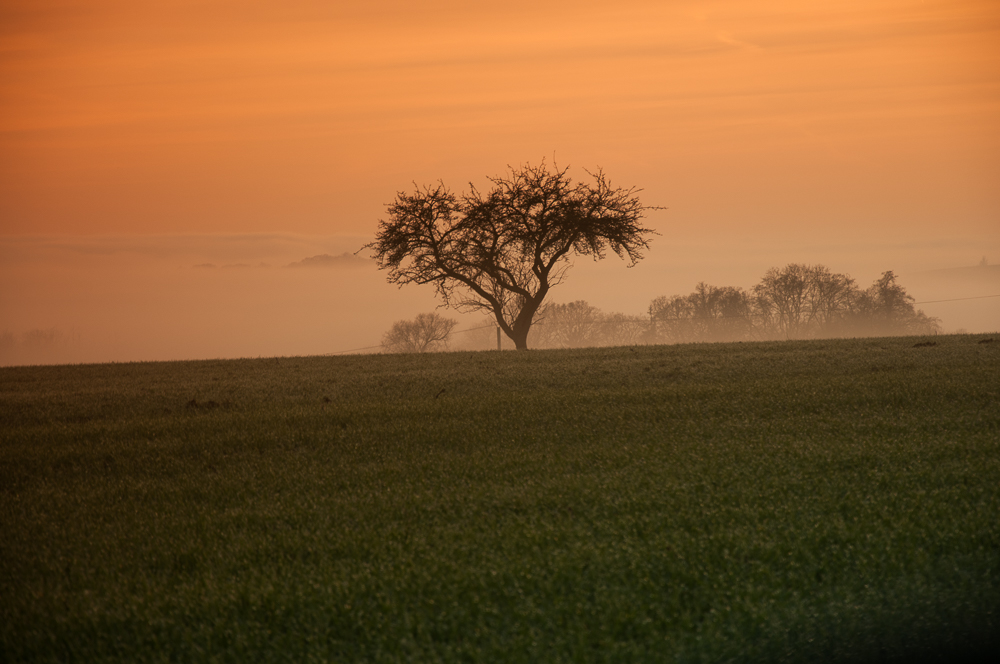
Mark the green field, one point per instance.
(789, 501)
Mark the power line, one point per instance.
(352, 350)
(956, 299)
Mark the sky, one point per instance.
(141, 142)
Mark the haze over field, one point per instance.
(183, 180)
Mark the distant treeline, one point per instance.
(795, 302)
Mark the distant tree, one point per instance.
(672, 319)
(721, 314)
(571, 325)
(502, 251)
(578, 324)
(830, 296)
(781, 300)
(801, 301)
(709, 313)
(427, 332)
(886, 309)
(624, 330)
(797, 301)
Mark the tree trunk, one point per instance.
(522, 325)
(520, 338)
(518, 330)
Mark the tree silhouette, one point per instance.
(503, 250)
(427, 332)
(800, 301)
(794, 302)
(708, 314)
(888, 309)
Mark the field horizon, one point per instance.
(507, 346)
(827, 500)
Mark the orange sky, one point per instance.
(813, 131)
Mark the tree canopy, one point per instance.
(502, 250)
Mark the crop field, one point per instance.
(830, 501)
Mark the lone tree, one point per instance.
(503, 250)
(426, 333)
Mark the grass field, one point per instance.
(795, 501)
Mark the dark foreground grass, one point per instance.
(799, 501)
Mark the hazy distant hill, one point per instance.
(345, 259)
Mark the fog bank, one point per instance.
(169, 297)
